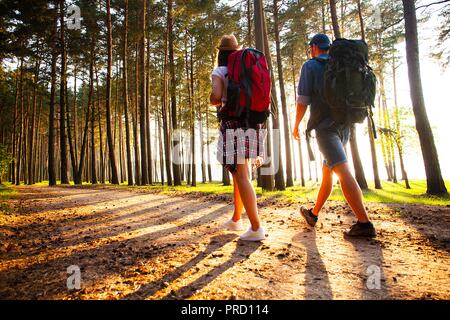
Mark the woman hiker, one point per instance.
(244, 194)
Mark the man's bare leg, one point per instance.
(325, 189)
(352, 192)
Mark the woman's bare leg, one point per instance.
(238, 205)
(247, 193)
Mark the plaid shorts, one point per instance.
(237, 143)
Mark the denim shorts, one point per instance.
(331, 141)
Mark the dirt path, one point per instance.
(134, 245)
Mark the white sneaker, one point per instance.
(233, 226)
(251, 235)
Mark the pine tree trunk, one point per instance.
(62, 100)
(267, 181)
(91, 104)
(323, 7)
(357, 164)
(36, 150)
(16, 101)
(51, 116)
(137, 157)
(100, 133)
(142, 91)
(435, 183)
(287, 132)
(78, 178)
(74, 111)
(249, 24)
(208, 151)
(300, 151)
(398, 135)
(202, 144)
(147, 115)
(225, 177)
(31, 141)
(373, 150)
(161, 152)
(173, 97)
(112, 157)
(164, 114)
(125, 98)
(334, 19)
(19, 143)
(279, 174)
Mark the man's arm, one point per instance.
(304, 93)
(301, 110)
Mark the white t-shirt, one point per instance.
(222, 73)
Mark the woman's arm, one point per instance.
(216, 93)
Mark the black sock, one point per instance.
(312, 214)
(365, 224)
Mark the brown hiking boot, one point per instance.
(361, 230)
(310, 218)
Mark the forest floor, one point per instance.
(137, 244)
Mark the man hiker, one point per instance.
(331, 138)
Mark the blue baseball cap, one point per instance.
(321, 40)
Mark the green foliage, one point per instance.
(5, 160)
(442, 50)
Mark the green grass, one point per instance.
(6, 192)
(391, 192)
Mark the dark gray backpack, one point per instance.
(349, 82)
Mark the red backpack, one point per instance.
(249, 84)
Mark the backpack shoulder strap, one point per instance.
(322, 61)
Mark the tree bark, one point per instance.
(91, 104)
(164, 114)
(147, 115)
(398, 135)
(370, 129)
(112, 157)
(62, 100)
(125, 98)
(435, 183)
(249, 24)
(287, 132)
(173, 96)
(32, 143)
(51, 116)
(142, 91)
(334, 19)
(100, 133)
(20, 118)
(267, 181)
(300, 151)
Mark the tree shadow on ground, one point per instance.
(82, 199)
(129, 222)
(151, 288)
(44, 278)
(371, 268)
(242, 252)
(317, 283)
(432, 222)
